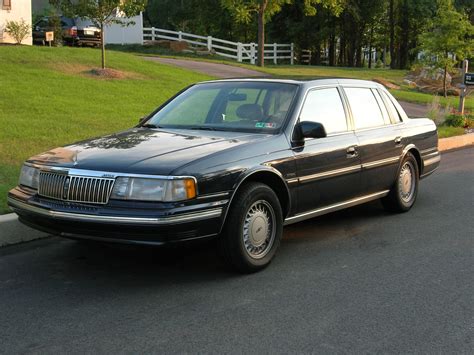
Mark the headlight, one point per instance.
(29, 176)
(126, 188)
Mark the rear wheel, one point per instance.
(253, 228)
(403, 194)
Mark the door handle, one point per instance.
(352, 152)
(398, 140)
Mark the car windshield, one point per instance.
(84, 23)
(260, 107)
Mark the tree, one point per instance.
(447, 38)
(243, 11)
(102, 13)
(19, 30)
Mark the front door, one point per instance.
(328, 169)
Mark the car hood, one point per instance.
(143, 150)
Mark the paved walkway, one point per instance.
(229, 71)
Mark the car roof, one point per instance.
(304, 81)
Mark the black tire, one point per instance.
(255, 217)
(402, 195)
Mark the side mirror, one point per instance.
(142, 119)
(308, 129)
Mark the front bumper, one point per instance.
(132, 224)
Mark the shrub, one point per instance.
(19, 30)
(435, 110)
(455, 119)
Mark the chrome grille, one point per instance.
(75, 188)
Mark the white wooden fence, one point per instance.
(235, 50)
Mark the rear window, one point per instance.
(84, 23)
(67, 22)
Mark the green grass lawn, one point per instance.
(445, 131)
(47, 99)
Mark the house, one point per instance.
(14, 10)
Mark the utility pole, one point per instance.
(462, 95)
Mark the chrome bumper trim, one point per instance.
(433, 160)
(183, 218)
(130, 241)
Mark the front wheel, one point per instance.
(403, 194)
(253, 228)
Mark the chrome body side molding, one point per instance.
(335, 207)
(377, 163)
(330, 173)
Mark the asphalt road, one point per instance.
(355, 281)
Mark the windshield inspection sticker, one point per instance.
(265, 125)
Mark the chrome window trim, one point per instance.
(183, 218)
(385, 97)
(383, 107)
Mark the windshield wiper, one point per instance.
(204, 128)
(151, 125)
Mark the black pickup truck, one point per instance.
(234, 160)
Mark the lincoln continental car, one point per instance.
(234, 160)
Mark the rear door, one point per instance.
(328, 169)
(380, 140)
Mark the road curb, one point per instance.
(456, 142)
(13, 232)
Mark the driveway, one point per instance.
(229, 71)
(213, 69)
(356, 281)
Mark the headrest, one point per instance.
(250, 112)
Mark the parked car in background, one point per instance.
(235, 160)
(75, 32)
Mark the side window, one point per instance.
(364, 107)
(41, 24)
(325, 106)
(382, 106)
(391, 108)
